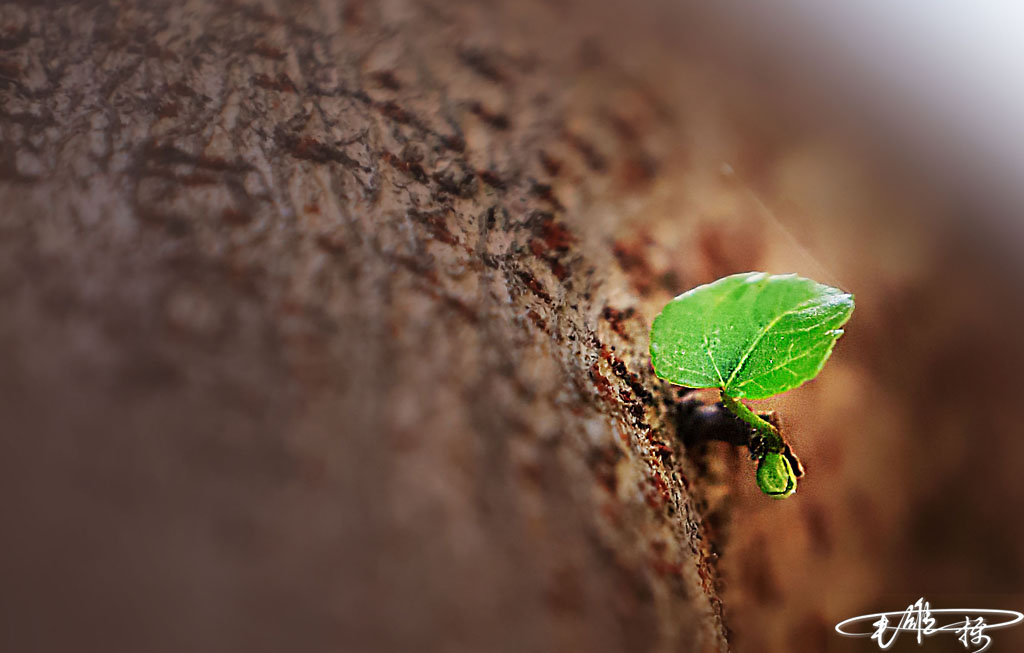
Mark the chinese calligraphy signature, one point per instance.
(921, 620)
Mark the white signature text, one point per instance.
(969, 625)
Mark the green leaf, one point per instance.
(752, 335)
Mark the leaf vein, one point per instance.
(783, 366)
(757, 339)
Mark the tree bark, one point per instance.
(315, 334)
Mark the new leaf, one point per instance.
(751, 335)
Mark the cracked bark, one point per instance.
(314, 335)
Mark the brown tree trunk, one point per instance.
(315, 333)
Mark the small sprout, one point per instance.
(752, 336)
(775, 476)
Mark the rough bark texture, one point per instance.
(316, 334)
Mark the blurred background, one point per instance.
(193, 452)
(875, 146)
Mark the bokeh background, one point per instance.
(872, 147)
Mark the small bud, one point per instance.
(775, 476)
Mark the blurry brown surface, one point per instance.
(310, 341)
(323, 327)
